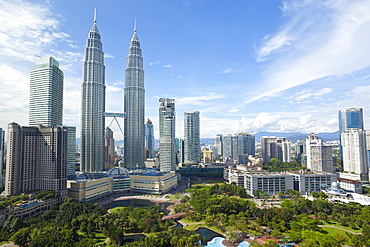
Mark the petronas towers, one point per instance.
(134, 107)
(93, 105)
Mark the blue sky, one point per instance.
(250, 66)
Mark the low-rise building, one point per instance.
(350, 185)
(268, 182)
(121, 180)
(307, 182)
(90, 186)
(152, 182)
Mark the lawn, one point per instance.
(334, 232)
(99, 236)
(206, 182)
(193, 227)
(357, 230)
(116, 209)
(188, 221)
(176, 197)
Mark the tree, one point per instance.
(22, 237)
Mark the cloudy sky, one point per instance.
(248, 66)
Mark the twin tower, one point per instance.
(93, 105)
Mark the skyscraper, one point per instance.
(269, 148)
(319, 155)
(71, 150)
(354, 153)
(246, 144)
(36, 159)
(286, 147)
(192, 150)
(2, 145)
(46, 93)
(227, 146)
(219, 144)
(134, 107)
(149, 138)
(350, 118)
(109, 148)
(167, 147)
(93, 104)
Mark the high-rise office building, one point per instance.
(227, 145)
(46, 93)
(350, 118)
(71, 151)
(192, 150)
(286, 147)
(36, 159)
(167, 147)
(269, 148)
(219, 144)
(149, 138)
(246, 144)
(354, 153)
(180, 151)
(319, 155)
(300, 146)
(238, 146)
(109, 148)
(2, 146)
(134, 107)
(93, 104)
(283, 149)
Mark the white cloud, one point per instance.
(153, 63)
(278, 43)
(227, 71)
(107, 55)
(303, 96)
(323, 91)
(167, 66)
(179, 77)
(330, 40)
(26, 28)
(198, 100)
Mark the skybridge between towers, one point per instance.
(115, 116)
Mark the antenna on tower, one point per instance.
(135, 25)
(94, 15)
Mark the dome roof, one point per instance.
(117, 171)
(335, 185)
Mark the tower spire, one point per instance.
(94, 15)
(135, 26)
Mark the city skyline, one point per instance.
(257, 64)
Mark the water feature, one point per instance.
(133, 238)
(217, 242)
(207, 233)
(30, 205)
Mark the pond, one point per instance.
(139, 203)
(133, 238)
(207, 233)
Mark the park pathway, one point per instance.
(187, 224)
(356, 233)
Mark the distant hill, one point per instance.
(294, 136)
